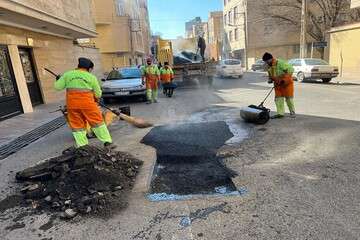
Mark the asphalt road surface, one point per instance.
(299, 178)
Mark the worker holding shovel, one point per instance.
(82, 95)
(280, 73)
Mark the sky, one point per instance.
(168, 17)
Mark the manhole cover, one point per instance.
(30, 137)
(186, 163)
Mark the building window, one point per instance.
(231, 36)
(229, 17)
(225, 16)
(235, 14)
(236, 34)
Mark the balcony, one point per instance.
(70, 24)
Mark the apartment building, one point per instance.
(343, 41)
(249, 33)
(35, 34)
(215, 34)
(195, 28)
(123, 32)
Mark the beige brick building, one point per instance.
(247, 27)
(215, 34)
(123, 32)
(35, 34)
(344, 45)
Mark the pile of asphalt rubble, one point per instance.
(89, 180)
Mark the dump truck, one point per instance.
(162, 50)
(185, 63)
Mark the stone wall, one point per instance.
(52, 52)
(77, 12)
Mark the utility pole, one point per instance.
(246, 35)
(303, 45)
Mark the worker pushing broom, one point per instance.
(83, 94)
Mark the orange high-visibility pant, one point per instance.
(284, 91)
(83, 110)
(287, 89)
(78, 118)
(152, 81)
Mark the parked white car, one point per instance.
(125, 82)
(230, 68)
(312, 68)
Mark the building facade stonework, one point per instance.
(123, 32)
(38, 34)
(250, 33)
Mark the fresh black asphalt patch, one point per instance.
(186, 159)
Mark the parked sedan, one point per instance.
(230, 68)
(259, 65)
(125, 82)
(312, 68)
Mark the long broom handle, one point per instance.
(48, 70)
(262, 103)
(111, 110)
(122, 115)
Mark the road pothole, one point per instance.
(187, 164)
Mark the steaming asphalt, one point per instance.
(300, 177)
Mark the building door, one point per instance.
(9, 97)
(30, 76)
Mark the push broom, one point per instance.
(136, 122)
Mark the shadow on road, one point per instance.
(330, 83)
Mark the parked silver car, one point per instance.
(125, 82)
(312, 68)
(259, 65)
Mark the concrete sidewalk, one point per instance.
(19, 125)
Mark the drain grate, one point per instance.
(30, 137)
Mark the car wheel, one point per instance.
(326, 80)
(300, 77)
(240, 76)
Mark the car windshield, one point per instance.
(232, 62)
(260, 61)
(124, 73)
(312, 62)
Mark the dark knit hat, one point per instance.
(85, 63)
(267, 56)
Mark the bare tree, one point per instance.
(322, 14)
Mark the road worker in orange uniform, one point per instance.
(151, 76)
(280, 73)
(166, 77)
(82, 94)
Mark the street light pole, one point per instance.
(303, 46)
